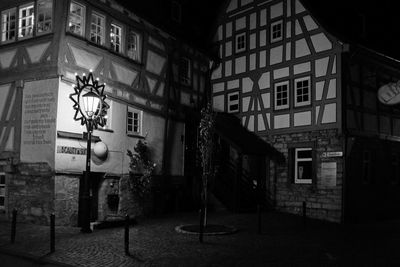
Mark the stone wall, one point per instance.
(31, 192)
(323, 202)
(66, 200)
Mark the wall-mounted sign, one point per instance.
(332, 154)
(389, 94)
(328, 173)
(71, 150)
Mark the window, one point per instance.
(303, 165)
(116, 38)
(184, 71)
(133, 46)
(134, 121)
(8, 25)
(233, 102)
(25, 21)
(302, 92)
(45, 16)
(282, 95)
(97, 26)
(276, 31)
(240, 42)
(2, 190)
(76, 22)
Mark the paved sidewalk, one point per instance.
(154, 242)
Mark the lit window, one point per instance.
(184, 71)
(233, 102)
(97, 26)
(303, 165)
(134, 121)
(76, 23)
(276, 31)
(282, 95)
(2, 190)
(8, 25)
(26, 19)
(302, 92)
(116, 38)
(240, 42)
(133, 46)
(45, 16)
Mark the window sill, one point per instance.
(105, 130)
(135, 135)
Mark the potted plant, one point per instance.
(141, 171)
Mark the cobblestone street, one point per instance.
(154, 242)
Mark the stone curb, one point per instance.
(232, 230)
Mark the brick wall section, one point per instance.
(323, 202)
(66, 200)
(31, 192)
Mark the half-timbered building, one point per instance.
(155, 82)
(313, 96)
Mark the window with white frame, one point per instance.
(8, 25)
(240, 42)
(2, 190)
(282, 95)
(134, 121)
(233, 102)
(97, 28)
(185, 71)
(133, 49)
(302, 92)
(44, 16)
(303, 170)
(26, 18)
(276, 31)
(116, 38)
(76, 21)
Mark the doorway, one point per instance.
(94, 185)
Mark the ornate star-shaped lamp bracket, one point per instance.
(89, 101)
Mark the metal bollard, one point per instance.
(52, 233)
(259, 218)
(13, 225)
(126, 234)
(201, 225)
(304, 214)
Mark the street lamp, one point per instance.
(90, 108)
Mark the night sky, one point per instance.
(342, 18)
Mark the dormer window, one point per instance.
(240, 42)
(97, 29)
(76, 23)
(26, 20)
(8, 25)
(133, 49)
(276, 31)
(45, 16)
(116, 38)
